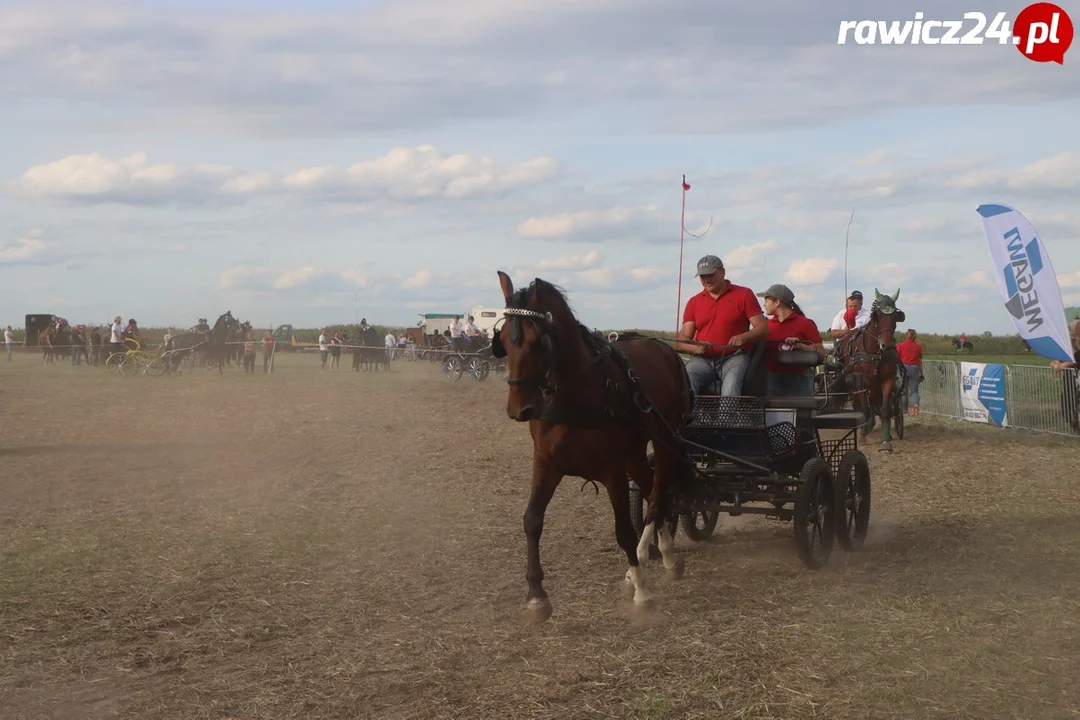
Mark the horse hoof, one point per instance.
(643, 599)
(885, 447)
(538, 609)
(675, 572)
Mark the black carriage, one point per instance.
(787, 458)
(472, 357)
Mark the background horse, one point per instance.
(872, 363)
(592, 407)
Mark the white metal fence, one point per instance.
(1036, 397)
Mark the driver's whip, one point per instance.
(846, 234)
(682, 238)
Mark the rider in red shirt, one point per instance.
(723, 314)
(789, 329)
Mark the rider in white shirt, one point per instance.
(839, 327)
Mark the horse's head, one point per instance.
(537, 318)
(886, 316)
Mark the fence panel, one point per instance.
(939, 393)
(1040, 398)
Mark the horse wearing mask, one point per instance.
(592, 407)
(872, 364)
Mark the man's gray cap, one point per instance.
(709, 264)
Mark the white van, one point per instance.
(485, 317)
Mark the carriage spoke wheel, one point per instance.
(897, 415)
(700, 526)
(476, 369)
(852, 500)
(116, 362)
(814, 517)
(500, 370)
(453, 367)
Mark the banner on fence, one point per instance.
(982, 393)
(1026, 281)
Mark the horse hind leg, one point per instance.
(664, 468)
(619, 495)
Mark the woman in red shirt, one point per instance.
(910, 353)
(789, 329)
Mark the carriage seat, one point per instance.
(755, 383)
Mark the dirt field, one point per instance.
(343, 545)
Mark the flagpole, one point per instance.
(682, 238)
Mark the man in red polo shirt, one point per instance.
(722, 314)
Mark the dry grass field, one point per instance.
(350, 545)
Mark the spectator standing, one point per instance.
(911, 357)
(268, 350)
(9, 341)
(249, 354)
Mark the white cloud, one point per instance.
(292, 278)
(590, 260)
(20, 251)
(746, 257)
(427, 64)
(975, 278)
(403, 174)
(1069, 280)
(571, 223)
(418, 280)
(810, 271)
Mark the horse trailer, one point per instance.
(34, 325)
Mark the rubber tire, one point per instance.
(853, 475)
(816, 490)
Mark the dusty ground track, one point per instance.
(350, 545)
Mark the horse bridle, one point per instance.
(547, 342)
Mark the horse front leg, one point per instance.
(544, 481)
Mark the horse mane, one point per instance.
(552, 298)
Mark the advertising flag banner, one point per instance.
(1026, 281)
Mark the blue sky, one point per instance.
(304, 162)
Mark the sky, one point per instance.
(312, 163)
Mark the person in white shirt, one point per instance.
(471, 329)
(839, 327)
(390, 342)
(116, 336)
(9, 341)
(324, 349)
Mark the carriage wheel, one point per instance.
(453, 367)
(851, 495)
(476, 368)
(700, 526)
(897, 414)
(500, 370)
(815, 526)
(115, 363)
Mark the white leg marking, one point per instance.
(643, 544)
(667, 548)
(641, 593)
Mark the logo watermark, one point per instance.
(1042, 32)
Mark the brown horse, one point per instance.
(871, 364)
(592, 408)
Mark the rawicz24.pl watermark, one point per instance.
(1042, 32)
